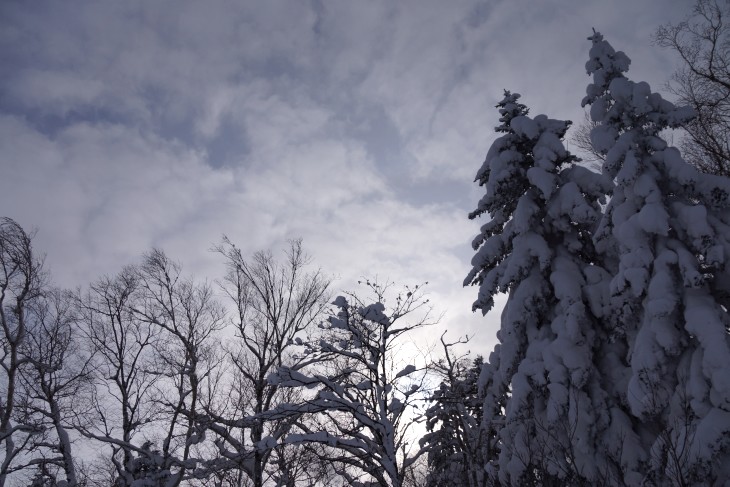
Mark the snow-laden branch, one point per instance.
(363, 395)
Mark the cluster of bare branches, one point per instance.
(367, 397)
(702, 42)
(155, 378)
(149, 370)
(702, 82)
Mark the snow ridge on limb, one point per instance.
(538, 248)
(667, 226)
(364, 396)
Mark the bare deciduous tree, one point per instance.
(58, 376)
(703, 82)
(155, 335)
(366, 395)
(274, 303)
(125, 370)
(580, 136)
(21, 282)
(188, 318)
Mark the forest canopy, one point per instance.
(611, 366)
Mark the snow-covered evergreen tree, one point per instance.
(456, 443)
(146, 469)
(538, 248)
(665, 237)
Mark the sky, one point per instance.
(355, 125)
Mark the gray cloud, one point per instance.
(358, 126)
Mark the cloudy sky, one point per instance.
(356, 125)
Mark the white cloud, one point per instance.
(339, 115)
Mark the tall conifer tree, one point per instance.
(538, 248)
(666, 237)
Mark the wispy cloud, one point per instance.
(357, 126)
